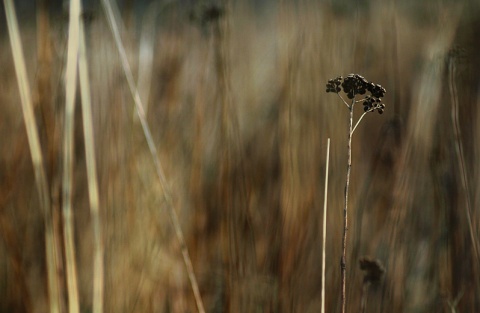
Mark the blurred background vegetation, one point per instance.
(235, 97)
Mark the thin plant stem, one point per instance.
(325, 225)
(98, 253)
(107, 6)
(360, 119)
(36, 155)
(358, 122)
(343, 263)
(68, 146)
(343, 100)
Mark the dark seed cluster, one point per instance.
(355, 84)
(373, 268)
(372, 103)
(333, 85)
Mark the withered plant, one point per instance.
(358, 90)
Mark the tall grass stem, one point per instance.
(36, 155)
(324, 236)
(68, 149)
(153, 151)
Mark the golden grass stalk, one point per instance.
(68, 147)
(325, 226)
(98, 254)
(35, 152)
(107, 6)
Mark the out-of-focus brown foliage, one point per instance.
(240, 116)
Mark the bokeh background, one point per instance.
(234, 94)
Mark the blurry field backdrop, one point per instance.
(234, 97)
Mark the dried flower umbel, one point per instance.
(358, 90)
(354, 85)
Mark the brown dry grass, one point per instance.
(240, 117)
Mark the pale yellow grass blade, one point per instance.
(36, 153)
(325, 226)
(68, 148)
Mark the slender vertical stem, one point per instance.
(325, 226)
(343, 263)
(93, 194)
(68, 150)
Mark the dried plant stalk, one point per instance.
(68, 148)
(325, 225)
(98, 254)
(36, 154)
(343, 263)
(352, 86)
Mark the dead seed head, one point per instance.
(373, 269)
(355, 84)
